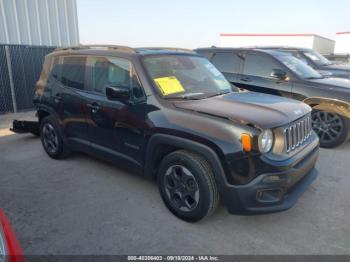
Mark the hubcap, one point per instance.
(328, 126)
(50, 138)
(181, 188)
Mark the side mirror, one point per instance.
(118, 93)
(278, 74)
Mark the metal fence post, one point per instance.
(12, 87)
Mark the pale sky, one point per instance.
(198, 23)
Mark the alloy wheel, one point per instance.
(50, 138)
(328, 126)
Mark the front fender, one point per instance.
(328, 104)
(208, 153)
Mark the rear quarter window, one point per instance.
(72, 72)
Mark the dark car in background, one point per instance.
(317, 61)
(280, 73)
(171, 116)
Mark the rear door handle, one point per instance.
(94, 107)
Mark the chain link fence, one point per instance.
(20, 68)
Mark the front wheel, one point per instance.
(187, 185)
(332, 129)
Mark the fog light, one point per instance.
(269, 195)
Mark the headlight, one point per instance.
(265, 141)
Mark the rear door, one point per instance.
(256, 75)
(67, 83)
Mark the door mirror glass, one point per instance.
(118, 93)
(278, 74)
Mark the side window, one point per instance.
(227, 62)
(114, 72)
(299, 56)
(55, 69)
(73, 72)
(258, 65)
(302, 58)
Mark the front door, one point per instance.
(117, 126)
(256, 76)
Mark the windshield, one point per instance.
(317, 58)
(299, 67)
(183, 76)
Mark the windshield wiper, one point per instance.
(185, 97)
(217, 94)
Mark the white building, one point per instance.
(313, 41)
(39, 22)
(342, 45)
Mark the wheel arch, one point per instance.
(161, 144)
(329, 104)
(44, 111)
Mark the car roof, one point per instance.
(107, 50)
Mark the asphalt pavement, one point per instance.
(82, 205)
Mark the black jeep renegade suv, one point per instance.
(280, 73)
(171, 115)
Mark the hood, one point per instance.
(264, 111)
(342, 83)
(344, 67)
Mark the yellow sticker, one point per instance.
(169, 85)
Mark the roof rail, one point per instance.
(108, 47)
(166, 48)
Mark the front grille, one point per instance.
(297, 133)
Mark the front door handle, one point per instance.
(246, 79)
(94, 107)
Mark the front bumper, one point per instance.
(272, 192)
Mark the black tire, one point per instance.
(332, 129)
(51, 138)
(187, 185)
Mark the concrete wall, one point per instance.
(342, 45)
(320, 44)
(39, 22)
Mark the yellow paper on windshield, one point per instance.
(169, 85)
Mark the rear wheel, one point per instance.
(187, 186)
(51, 138)
(332, 129)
